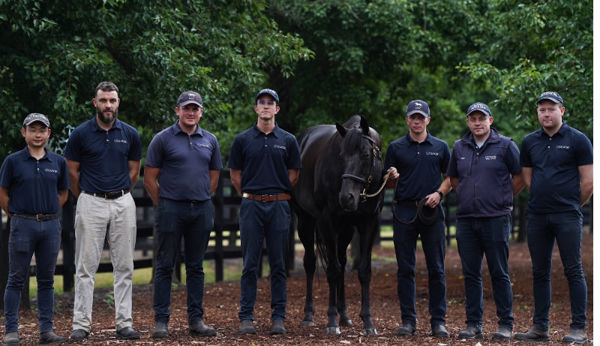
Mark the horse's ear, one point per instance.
(342, 130)
(364, 125)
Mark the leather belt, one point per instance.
(39, 217)
(267, 198)
(108, 195)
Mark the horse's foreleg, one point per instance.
(341, 297)
(333, 278)
(364, 276)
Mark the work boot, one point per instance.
(534, 334)
(406, 329)
(277, 327)
(439, 331)
(11, 338)
(200, 329)
(51, 338)
(79, 335)
(471, 332)
(503, 333)
(160, 330)
(127, 333)
(577, 336)
(246, 327)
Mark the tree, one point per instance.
(54, 53)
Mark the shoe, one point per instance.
(439, 331)
(160, 330)
(534, 334)
(406, 329)
(246, 327)
(471, 332)
(127, 333)
(200, 329)
(577, 336)
(79, 335)
(277, 328)
(11, 338)
(503, 333)
(51, 338)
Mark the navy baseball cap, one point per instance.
(33, 117)
(479, 107)
(188, 97)
(417, 106)
(270, 92)
(551, 96)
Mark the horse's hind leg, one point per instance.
(345, 239)
(306, 233)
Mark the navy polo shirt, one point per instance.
(554, 163)
(184, 161)
(33, 184)
(420, 166)
(104, 155)
(265, 159)
(484, 175)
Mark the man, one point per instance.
(103, 156)
(485, 172)
(34, 185)
(264, 164)
(182, 171)
(557, 166)
(416, 163)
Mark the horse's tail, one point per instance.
(321, 249)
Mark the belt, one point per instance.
(408, 203)
(39, 217)
(267, 198)
(108, 195)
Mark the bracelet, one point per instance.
(441, 194)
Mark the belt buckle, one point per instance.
(265, 198)
(37, 218)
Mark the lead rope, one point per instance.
(364, 194)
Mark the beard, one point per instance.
(107, 119)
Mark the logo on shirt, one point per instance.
(566, 147)
(276, 146)
(207, 146)
(124, 141)
(432, 153)
(50, 170)
(490, 157)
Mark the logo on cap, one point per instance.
(33, 117)
(479, 107)
(551, 96)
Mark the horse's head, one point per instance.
(361, 156)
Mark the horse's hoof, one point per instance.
(370, 331)
(306, 323)
(346, 322)
(333, 331)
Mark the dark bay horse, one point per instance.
(338, 193)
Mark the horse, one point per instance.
(336, 195)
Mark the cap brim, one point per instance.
(418, 112)
(185, 103)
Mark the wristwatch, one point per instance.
(441, 194)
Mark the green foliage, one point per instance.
(54, 53)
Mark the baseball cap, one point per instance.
(550, 95)
(270, 92)
(33, 117)
(479, 107)
(188, 97)
(417, 106)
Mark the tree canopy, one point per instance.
(327, 59)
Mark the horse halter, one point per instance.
(366, 182)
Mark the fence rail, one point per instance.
(224, 241)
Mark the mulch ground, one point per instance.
(221, 305)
